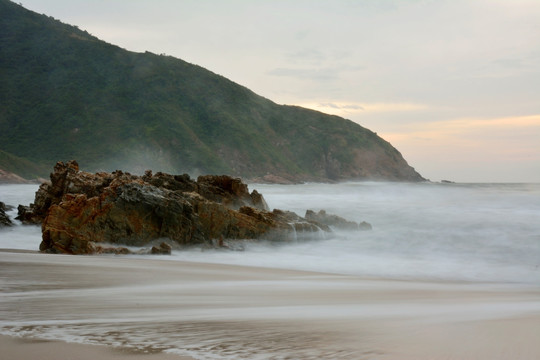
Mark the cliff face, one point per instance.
(66, 94)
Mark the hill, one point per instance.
(66, 94)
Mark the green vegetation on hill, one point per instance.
(23, 167)
(68, 95)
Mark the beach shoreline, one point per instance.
(22, 348)
(162, 309)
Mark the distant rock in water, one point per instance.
(86, 213)
(161, 249)
(4, 219)
(336, 221)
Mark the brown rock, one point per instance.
(67, 179)
(231, 192)
(81, 212)
(162, 249)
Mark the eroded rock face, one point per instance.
(231, 192)
(84, 213)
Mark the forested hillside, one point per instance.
(67, 95)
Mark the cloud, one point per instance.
(312, 55)
(500, 123)
(485, 139)
(473, 149)
(348, 109)
(342, 106)
(473, 132)
(316, 74)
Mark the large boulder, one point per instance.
(84, 213)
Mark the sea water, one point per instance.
(421, 231)
(18, 236)
(470, 251)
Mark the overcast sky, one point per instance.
(454, 85)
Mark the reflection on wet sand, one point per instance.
(210, 311)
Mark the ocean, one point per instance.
(421, 231)
(448, 271)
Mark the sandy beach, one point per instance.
(62, 306)
(15, 348)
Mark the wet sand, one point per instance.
(15, 348)
(161, 309)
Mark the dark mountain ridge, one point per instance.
(66, 94)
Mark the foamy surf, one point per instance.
(448, 271)
(210, 311)
(422, 231)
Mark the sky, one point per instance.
(454, 85)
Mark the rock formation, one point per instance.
(86, 213)
(335, 221)
(4, 219)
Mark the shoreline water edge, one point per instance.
(448, 271)
(214, 311)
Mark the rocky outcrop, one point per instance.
(231, 192)
(4, 219)
(335, 221)
(161, 249)
(85, 213)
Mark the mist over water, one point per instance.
(485, 235)
(18, 236)
(423, 231)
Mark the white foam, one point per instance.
(466, 232)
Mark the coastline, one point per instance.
(157, 306)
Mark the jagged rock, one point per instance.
(27, 215)
(80, 211)
(336, 221)
(67, 179)
(231, 192)
(162, 249)
(5, 207)
(365, 226)
(4, 219)
(110, 249)
(170, 182)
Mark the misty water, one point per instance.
(421, 231)
(467, 252)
